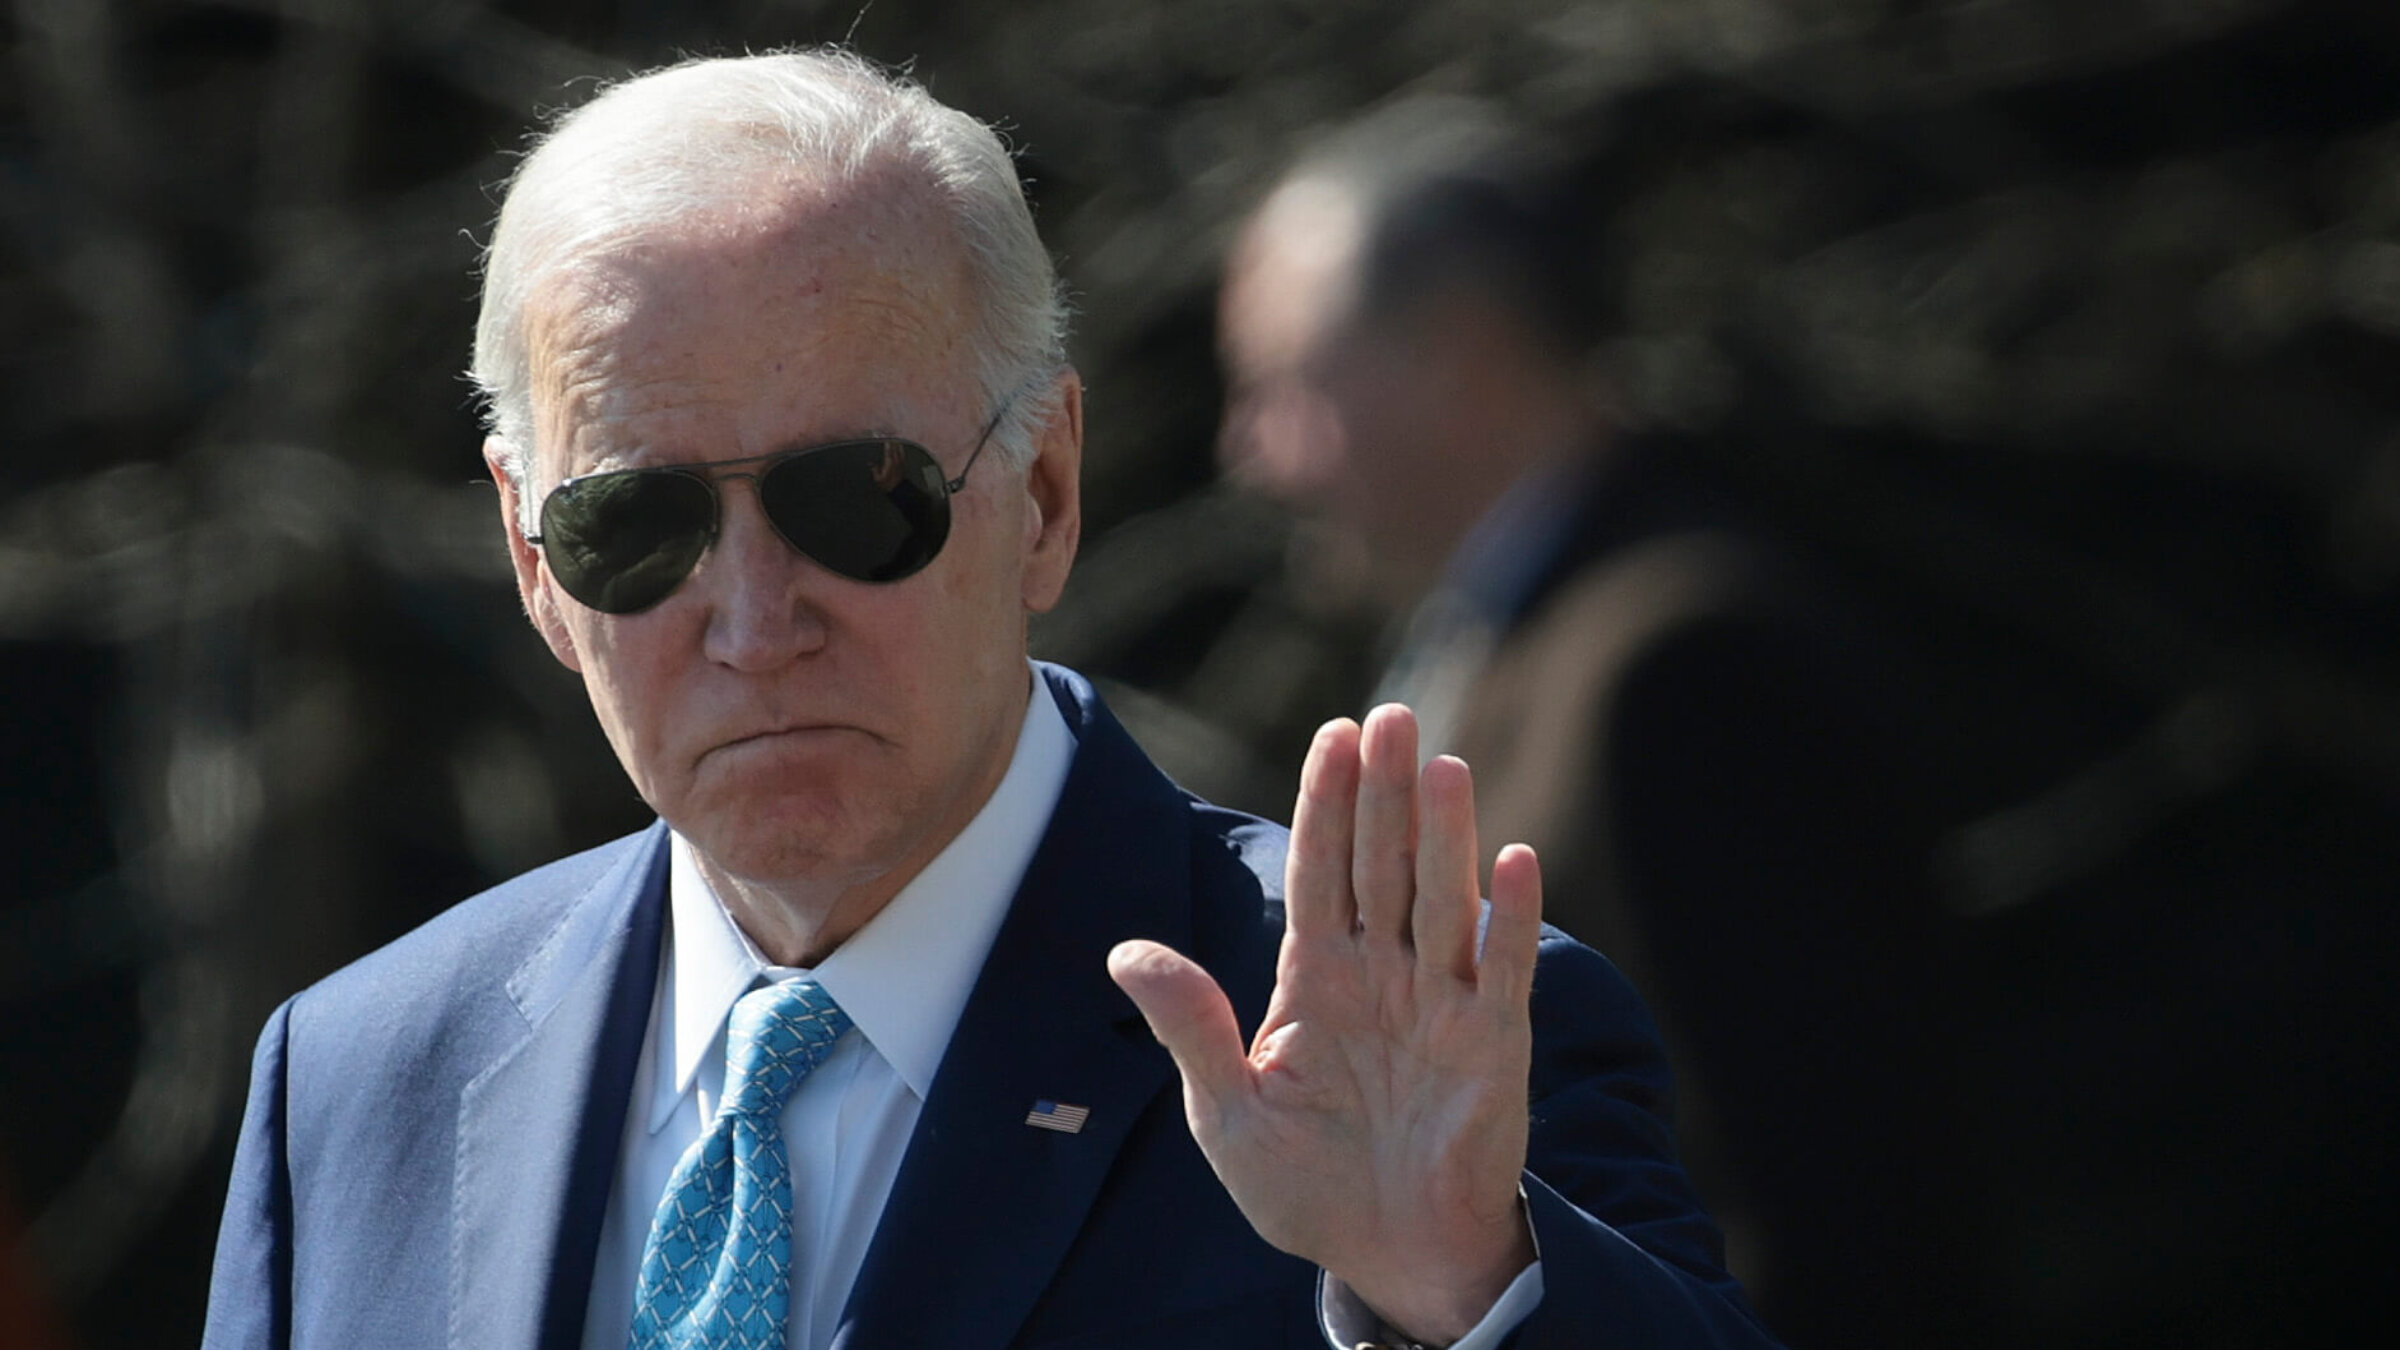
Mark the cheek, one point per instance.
(963, 651)
(628, 696)
(991, 549)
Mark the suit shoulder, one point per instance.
(1568, 973)
(1237, 885)
(1240, 840)
(479, 940)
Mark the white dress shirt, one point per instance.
(904, 979)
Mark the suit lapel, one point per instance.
(986, 1205)
(539, 1129)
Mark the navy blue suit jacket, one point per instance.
(431, 1131)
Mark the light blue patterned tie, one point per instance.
(717, 1270)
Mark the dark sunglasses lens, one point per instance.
(870, 510)
(622, 542)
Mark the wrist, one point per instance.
(1432, 1306)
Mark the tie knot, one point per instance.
(772, 1040)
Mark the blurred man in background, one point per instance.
(1708, 751)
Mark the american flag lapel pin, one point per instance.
(1060, 1116)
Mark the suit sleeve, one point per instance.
(249, 1303)
(1629, 1257)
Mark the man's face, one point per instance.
(1355, 427)
(801, 728)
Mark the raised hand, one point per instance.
(1376, 1125)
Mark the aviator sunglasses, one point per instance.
(873, 509)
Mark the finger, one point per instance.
(1190, 1016)
(1447, 902)
(1513, 936)
(1316, 875)
(1383, 861)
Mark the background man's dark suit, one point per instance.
(467, 1087)
(1726, 778)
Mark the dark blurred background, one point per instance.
(2066, 331)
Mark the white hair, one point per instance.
(690, 137)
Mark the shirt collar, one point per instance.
(904, 977)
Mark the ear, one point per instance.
(1054, 493)
(534, 586)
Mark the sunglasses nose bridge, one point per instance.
(756, 479)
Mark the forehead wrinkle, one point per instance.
(577, 405)
(573, 324)
(868, 267)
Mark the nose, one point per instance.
(757, 589)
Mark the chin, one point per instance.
(794, 838)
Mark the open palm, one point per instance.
(1376, 1125)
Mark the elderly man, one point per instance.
(849, 1049)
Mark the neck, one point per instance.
(799, 926)
(1402, 577)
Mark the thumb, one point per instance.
(1188, 1014)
